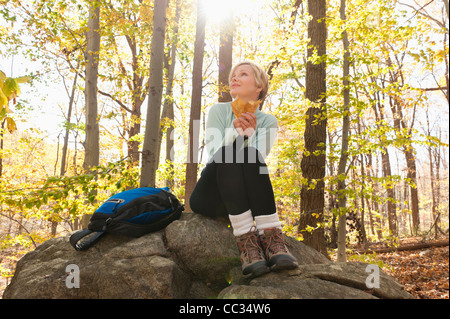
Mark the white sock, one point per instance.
(242, 223)
(267, 221)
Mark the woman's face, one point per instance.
(243, 84)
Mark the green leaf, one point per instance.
(23, 79)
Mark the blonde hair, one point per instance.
(261, 78)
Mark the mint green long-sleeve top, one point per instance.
(220, 130)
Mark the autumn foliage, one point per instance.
(396, 158)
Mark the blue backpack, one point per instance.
(132, 213)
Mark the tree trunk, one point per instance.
(378, 108)
(92, 147)
(414, 196)
(434, 178)
(54, 223)
(441, 243)
(167, 113)
(66, 136)
(400, 125)
(332, 200)
(138, 97)
(2, 131)
(313, 159)
(131, 117)
(150, 152)
(437, 191)
(137, 101)
(170, 152)
(363, 203)
(372, 185)
(225, 57)
(391, 206)
(196, 101)
(342, 202)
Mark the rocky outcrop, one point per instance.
(194, 257)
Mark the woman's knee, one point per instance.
(194, 202)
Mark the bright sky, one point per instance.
(46, 114)
(217, 9)
(43, 98)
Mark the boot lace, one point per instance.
(249, 245)
(275, 242)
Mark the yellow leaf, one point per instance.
(11, 88)
(2, 78)
(3, 100)
(11, 125)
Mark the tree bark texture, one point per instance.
(168, 112)
(441, 243)
(92, 149)
(66, 136)
(225, 57)
(313, 159)
(342, 201)
(150, 150)
(92, 143)
(196, 101)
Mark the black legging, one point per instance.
(233, 185)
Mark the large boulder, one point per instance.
(194, 257)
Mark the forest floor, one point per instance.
(423, 272)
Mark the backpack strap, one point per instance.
(75, 239)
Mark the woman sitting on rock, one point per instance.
(235, 182)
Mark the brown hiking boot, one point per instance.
(277, 253)
(252, 256)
